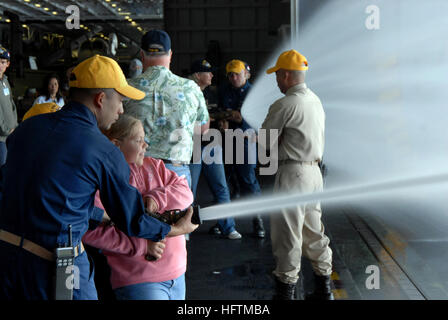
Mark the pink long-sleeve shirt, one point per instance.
(126, 255)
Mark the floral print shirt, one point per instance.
(170, 110)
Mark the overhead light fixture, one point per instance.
(119, 9)
(107, 0)
(27, 0)
(114, 5)
(127, 17)
(8, 20)
(55, 12)
(37, 5)
(24, 26)
(46, 9)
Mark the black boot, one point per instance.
(322, 289)
(284, 291)
(258, 227)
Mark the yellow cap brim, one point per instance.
(234, 70)
(131, 92)
(271, 70)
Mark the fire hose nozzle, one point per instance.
(172, 216)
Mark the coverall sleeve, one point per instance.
(96, 218)
(107, 237)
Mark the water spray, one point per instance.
(274, 203)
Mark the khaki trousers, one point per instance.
(299, 229)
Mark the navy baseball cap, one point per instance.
(4, 54)
(201, 65)
(156, 42)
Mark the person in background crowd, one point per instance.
(8, 110)
(52, 92)
(172, 107)
(135, 68)
(232, 95)
(201, 73)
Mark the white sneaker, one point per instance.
(234, 235)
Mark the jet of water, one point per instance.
(380, 68)
(274, 203)
(384, 90)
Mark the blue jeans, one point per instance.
(3, 153)
(183, 170)
(245, 172)
(216, 179)
(165, 290)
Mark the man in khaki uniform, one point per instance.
(300, 121)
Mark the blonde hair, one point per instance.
(122, 128)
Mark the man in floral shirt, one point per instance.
(172, 107)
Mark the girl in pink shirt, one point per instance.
(133, 277)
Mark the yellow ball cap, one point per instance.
(290, 60)
(40, 109)
(103, 73)
(235, 66)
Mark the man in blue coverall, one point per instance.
(231, 98)
(56, 163)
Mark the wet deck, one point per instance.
(223, 269)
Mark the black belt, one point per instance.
(175, 163)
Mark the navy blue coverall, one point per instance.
(56, 162)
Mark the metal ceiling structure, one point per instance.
(128, 19)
